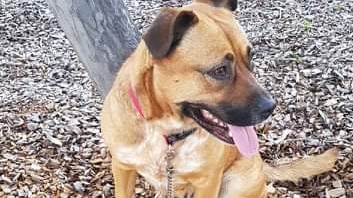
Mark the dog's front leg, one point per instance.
(209, 189)
(124, 180)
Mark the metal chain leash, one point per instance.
(170, 171)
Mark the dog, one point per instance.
(182, 111)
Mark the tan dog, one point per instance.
(187, 91)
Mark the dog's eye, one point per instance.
(220, 73)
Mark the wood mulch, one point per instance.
(50, 143)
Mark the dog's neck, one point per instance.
(171, 137)
(135, 101)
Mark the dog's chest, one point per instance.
(150, 159)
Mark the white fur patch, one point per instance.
(149, 155)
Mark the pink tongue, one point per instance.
(245, 139)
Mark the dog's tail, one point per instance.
(303, 168)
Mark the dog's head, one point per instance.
(202, 67)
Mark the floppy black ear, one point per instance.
(167, 30)
(229, 4)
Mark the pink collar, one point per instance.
(170, 139)
(135, 101)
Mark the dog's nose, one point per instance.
(266, 105)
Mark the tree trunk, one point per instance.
(101, 33)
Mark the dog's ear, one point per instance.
(229, 4)
(167, 30)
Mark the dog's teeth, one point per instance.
(205, 113)
(230, 134)
(209, 115)
(221, 123)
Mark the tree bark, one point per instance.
(101, 33)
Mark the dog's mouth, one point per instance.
(243, 137)
(212, 124)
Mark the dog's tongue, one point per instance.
(245, 139)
